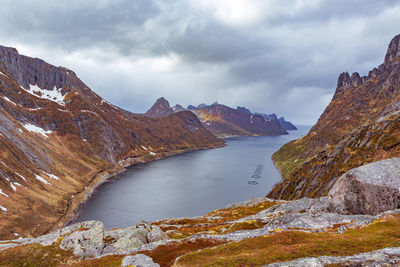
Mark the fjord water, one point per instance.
(190, 184)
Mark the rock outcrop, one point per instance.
(90, 239)
(360, 125)
(369, 189)
(139, 260)
(382, 257)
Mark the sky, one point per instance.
(272, 56)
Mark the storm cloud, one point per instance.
(281, 56)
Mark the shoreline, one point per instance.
(102, 176)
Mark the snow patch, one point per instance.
(89, 111)
(8, 100)
(20, 176)
(4, 194)
(152, 153)
(3, 74)
(145, 148)
(33, 109)
(2, 208)
(54, 94)
(52, 176)
(13, 187)
(41, 179)
(36, 129)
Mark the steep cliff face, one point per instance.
(360, 125)
(224, 121)
(56, 136)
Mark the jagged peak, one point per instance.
(162, 101)
(244, 109)
(345, 81)
(160, 108)
(344, 78)
(393, 52)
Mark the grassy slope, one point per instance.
(286, 246)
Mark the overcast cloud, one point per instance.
(281, 56)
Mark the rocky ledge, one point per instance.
(254, 233)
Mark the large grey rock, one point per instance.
(123, 241)
(139, 260)
(382, 257)
(369, 189)
(84, 244)
(317, 222)
(156, 234)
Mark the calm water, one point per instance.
(189, 184)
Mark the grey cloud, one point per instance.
(292, 55)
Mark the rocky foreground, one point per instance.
(357, 224)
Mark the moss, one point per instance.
(223, 220)
(287, 246)
(165, 255)
(287, 158)
(245, 225)
(35, 255)
(108, 261)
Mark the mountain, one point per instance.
(160, 108)
(58, 140)
(359, 126)
(225, 121)
(287, 125)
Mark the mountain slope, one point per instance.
(360, 125)
(225, 121)
(58, 139)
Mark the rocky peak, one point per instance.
(393, 52)
(244, 109)
(202, 105)
(29, 71)
(160, 108)
(343, 80)
(191, 107)
(178, 108)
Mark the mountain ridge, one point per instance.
(225, 121)
(360, 125)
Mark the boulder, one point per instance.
(84, 244)
(123, 241)
(156, 234)
(369, 189)
(139, 260)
